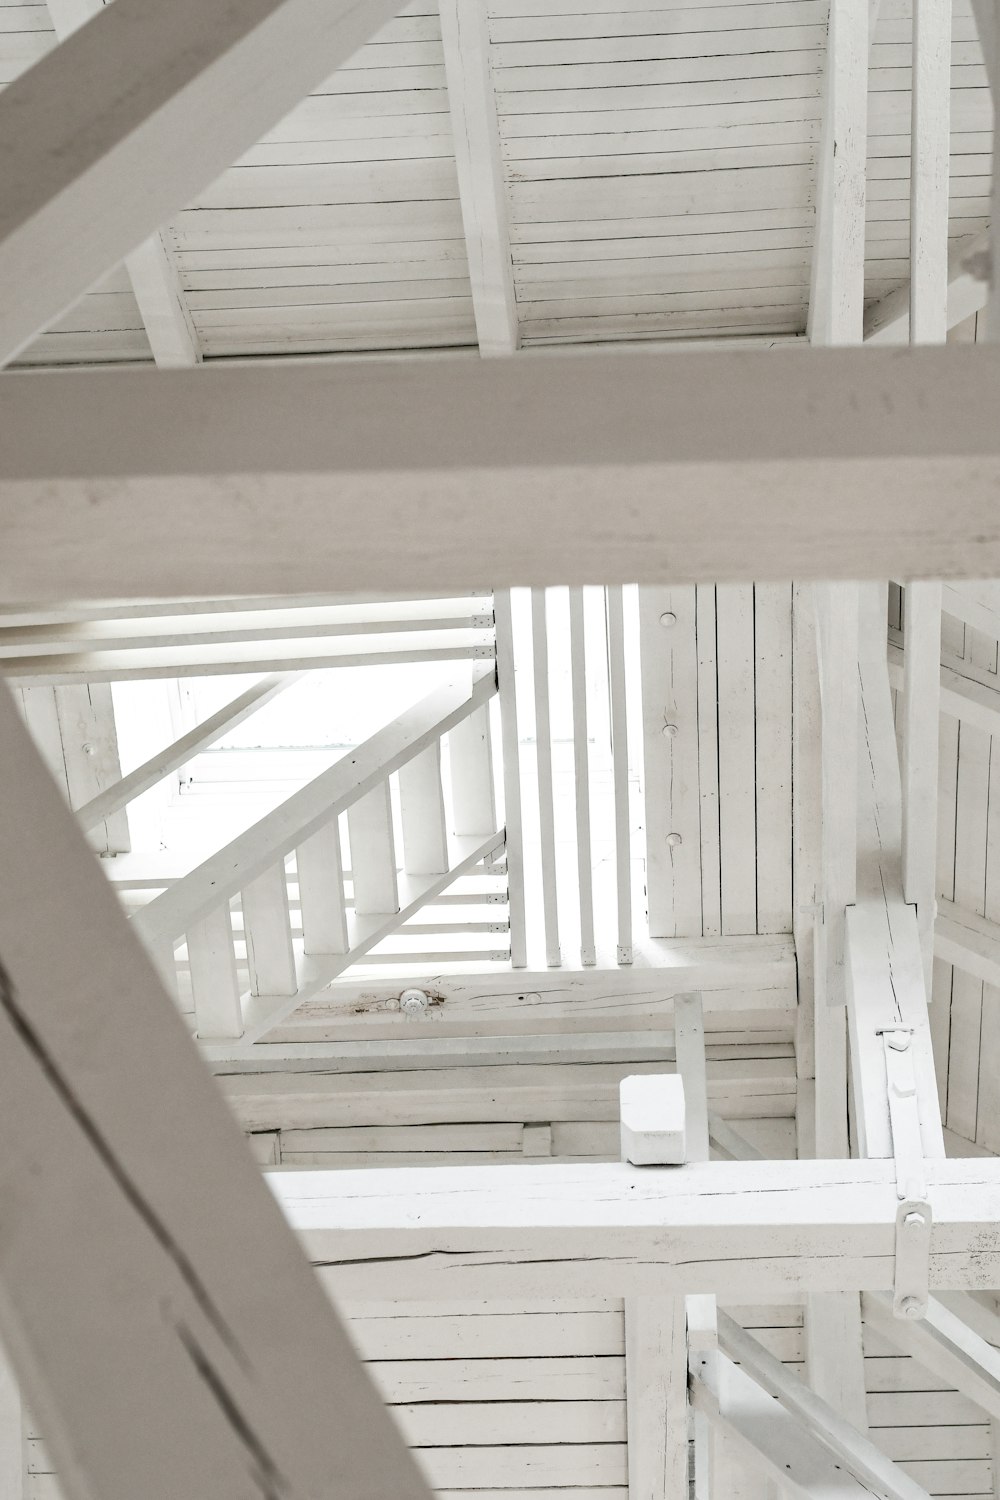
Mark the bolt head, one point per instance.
(674, 839)
(910, 1307)
(668, 619)
(669, 730)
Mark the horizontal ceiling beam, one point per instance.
(174, 94)
(612, 1230)
(441, 472)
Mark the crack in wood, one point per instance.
(264, 1472)
(149, 1216)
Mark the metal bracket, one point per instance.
(914, 1217)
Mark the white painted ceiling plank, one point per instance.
(466, 43)
(248, 1379)
(174, 95)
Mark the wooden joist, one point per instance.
(154, 1247)
(729, 466)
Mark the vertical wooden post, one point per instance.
(506, 691)
(373, 853)
(217, 1006)
(543, 757)
(581, 762)
(320, 867)
(619, 753)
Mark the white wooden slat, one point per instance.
(182, 750)
(619, 751)
(708, 759)
(543, 758)
(117, 1264)
(837, 639)
(268, 931)
(931, 130)
(773, 754)
(422, 813)
(669, 669)
(921, 734)
(466, 45)
(319, 868)
(838, 272)
(581, 764)
(217, 1005)
(734, 606)
(970, 888)
(941, 406)
(373, 852)
(310, 808)
(514, 837)
(145, 142)
(470, 765)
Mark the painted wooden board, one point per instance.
(727, 514)
(246, 1346)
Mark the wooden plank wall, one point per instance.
(341, 229)
(717, 714)
(660, 164)
(888, 207)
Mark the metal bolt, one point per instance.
(668, 620)
(673, 839)
(914, 1220)
(89, 749)
(669, 730)
(910, 1307)
(414, 1002)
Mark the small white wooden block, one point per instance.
(652, 1119)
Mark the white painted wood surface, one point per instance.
(543, 759)
(88, 181)
(320, 870)
(838, 265)
(471, 100)
(422, 813)
(600, 1228)
(564, 426)
(268, 934)
(921, 732)
(581, 765)
(214, 984)
(119, 1261)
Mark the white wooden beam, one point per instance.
(888, 320)
(921, 732)
(248, 1381)
(969, 941)
(942, 1342)
(836, 296)
(513, 825)
(182, 750)
(609, 1230)
(849, 1444)
(656, 1397)
(466, 44)
(930, 161)
(886, 968)
(12, 1464)
(174, 95)
(791, 1452)
(714, 452)
(151, 267)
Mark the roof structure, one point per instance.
(498, 530)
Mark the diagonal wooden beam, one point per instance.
(888, 321)
(154, 1250)
(482, 192)
(768, 465)
(174, 94)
